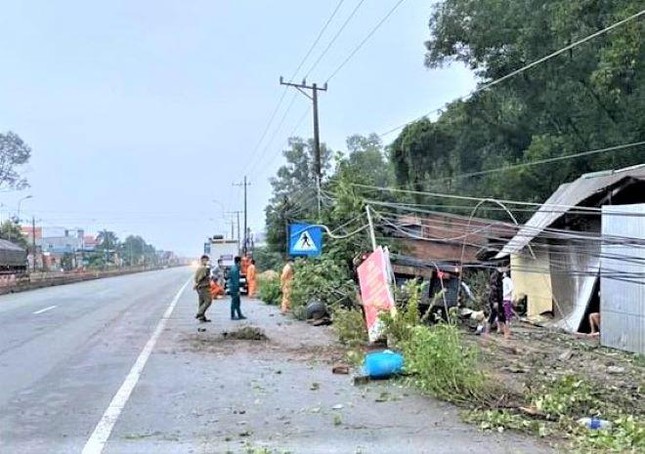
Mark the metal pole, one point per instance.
(232, 229)
(371, 225)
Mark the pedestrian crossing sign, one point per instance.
(305, 240)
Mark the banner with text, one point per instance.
(376, 294)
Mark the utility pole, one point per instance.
(314, 98)
(245, 184)
(33, 243)
(238, 226)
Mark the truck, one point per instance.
(219, 248)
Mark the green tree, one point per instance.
(14, 153)
(10, 231)
(107, 240)
(294, 191)
(584, 99)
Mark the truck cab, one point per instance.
(219, 248)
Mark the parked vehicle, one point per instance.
(218, 248)
(13, 259)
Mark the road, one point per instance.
(117, 366)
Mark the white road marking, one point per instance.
(99, 437)
(44, 310)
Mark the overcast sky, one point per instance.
(141, 113)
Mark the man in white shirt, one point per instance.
(507, 285)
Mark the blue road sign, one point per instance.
(305, 240)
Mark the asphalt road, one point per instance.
(117, 366)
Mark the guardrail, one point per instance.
(12, 283)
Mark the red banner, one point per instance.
(375, 291)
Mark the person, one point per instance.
(234, 289)
(251, 278)
(495, 301)
(246, 260)
(507, 302)
(286, 279)
(202, 286)
(217, 280)
(594, 323)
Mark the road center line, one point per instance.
(101, 434)
(44, 310)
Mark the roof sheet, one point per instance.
(563, 199)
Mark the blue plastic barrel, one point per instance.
(382, 364)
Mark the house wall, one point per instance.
(622, 301)
(531, 277)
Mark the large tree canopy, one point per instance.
(588, 98)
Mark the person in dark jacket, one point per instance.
(234, 290)
(495, 302)
(202, 286)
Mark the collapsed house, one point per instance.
(583, 251)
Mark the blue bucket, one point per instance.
(382, 364)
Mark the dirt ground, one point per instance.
(276, 393)
(536, 354)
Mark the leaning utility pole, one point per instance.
(314, 98)
(245, 184)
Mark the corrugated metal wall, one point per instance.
(622, 304)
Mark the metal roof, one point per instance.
(566, 197)
(9, 246)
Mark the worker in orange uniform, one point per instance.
(286, 280)
(251, 279)
(246, 261)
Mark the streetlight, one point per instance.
(20, 203)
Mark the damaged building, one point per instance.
(583, 251)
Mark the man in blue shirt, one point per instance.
(234, 289)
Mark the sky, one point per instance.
(142, 115)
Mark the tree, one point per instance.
(294, 190)
(13, 154)
(10, 231)
(107, 240)
(584, 99)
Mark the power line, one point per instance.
(333, 40)
(528, 66)
(544, 161)
(275, 133)
(362, 43)
(313, 45)
(295, 73)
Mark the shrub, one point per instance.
(436, 356)
(321, 279)
(442, 365)
(349, 326)
(270, 291)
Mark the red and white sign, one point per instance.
(376, 294)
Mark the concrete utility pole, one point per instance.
(245, 184)
(238, 226)
(33, 243)
(314, 98)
